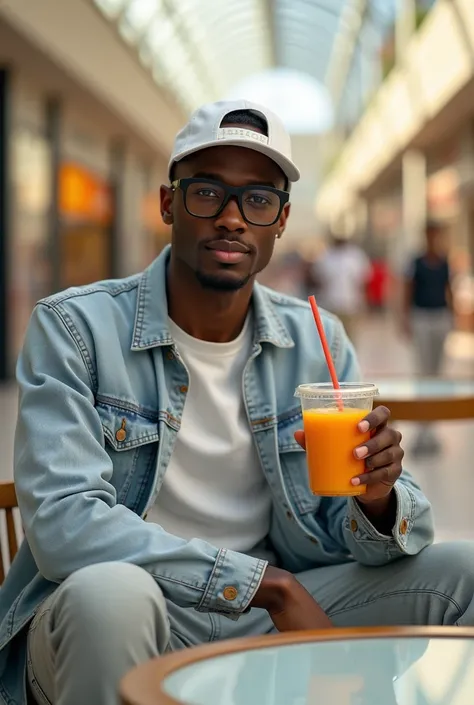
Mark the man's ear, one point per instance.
(166, 204)
(282, 220)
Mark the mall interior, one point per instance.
(379, 98)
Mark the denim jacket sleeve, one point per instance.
(68, 505)
(414, 527)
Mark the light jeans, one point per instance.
(430, 329)
(108, 617)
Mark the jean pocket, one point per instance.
(131, 441)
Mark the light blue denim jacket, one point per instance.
(100, 359)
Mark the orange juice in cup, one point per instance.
(330, 420)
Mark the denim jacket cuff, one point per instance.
(233, 583)
(406, 513)
(362, 529)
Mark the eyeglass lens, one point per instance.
(260, 207)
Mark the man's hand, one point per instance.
(289, 605)
(383, 456)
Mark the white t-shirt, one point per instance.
(214, 487)
(342, 273)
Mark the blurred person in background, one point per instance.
(378, 285)
(427, 314)
(340, 277)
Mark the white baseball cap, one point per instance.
(204, 130)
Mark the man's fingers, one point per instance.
(386, 438)
(387, 475)
(394, 454)
(299, 438)
(377, 418)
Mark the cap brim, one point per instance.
(286, 165)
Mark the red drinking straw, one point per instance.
(326, 350)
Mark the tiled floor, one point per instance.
(447, 479)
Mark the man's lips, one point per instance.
(228, 246)
(228, 251)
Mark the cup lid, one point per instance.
(326, 391)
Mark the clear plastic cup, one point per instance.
(332, 435)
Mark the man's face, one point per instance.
(194, 239)
(434, 241)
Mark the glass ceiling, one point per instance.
(199, 49)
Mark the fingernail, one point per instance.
(355, 481)
(364, 426)
(361, 452)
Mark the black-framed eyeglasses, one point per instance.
(206, 198)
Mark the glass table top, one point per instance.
(404, 389)
(405, 671)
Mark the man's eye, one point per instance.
(207, 193)
(258, 200)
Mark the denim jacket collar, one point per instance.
(151, 316)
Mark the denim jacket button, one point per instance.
(403, 526)
(230, 593)
(121, 433)
(354, 526)
(170, 355)
(183, 389)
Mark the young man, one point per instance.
(428, 316)
(159, 462)
(340, 277)
(428, 302)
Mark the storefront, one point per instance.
(27, 229)
(76, 205)
(86, 212)
(4, 305)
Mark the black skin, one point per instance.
(210, 301)
(383, 457)
(220, 293)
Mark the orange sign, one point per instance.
(83, 196)
(151, 212)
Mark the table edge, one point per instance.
(428, 409)
(152, 674)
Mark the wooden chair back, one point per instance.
(8, 502)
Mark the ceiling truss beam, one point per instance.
(344, 48)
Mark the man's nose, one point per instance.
(231, 218)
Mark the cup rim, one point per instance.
(325, 390)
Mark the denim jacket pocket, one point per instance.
(293, 461)
(131, 440)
